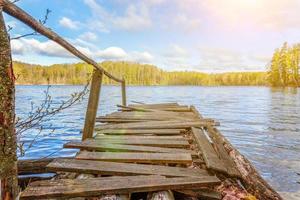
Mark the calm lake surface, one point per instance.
(263, 123)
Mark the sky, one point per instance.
(199, 35)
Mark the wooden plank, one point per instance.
(122, 169)
(180, 158)
(145, 137)
(196, 112)
(98, 186)
(92, 107)
(157, 125)
(224, 156)
(140, 131)
(211, 158)
(93, 146)
(123, 86)
(141, 142)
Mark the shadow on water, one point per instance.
(263, 123)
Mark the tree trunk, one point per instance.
(8, 158)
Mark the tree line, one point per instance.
(134, 73)
(284, 67)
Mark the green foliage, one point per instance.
(134, 73)
(284, 67)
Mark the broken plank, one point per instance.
(157, 125)
(98, 186)
(178, 158)
(210, 156)
(122, 169)
(94, 146)
(141, 131)
(224, 156)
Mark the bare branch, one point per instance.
(34, 33)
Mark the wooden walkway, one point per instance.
(142, 148)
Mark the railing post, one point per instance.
(91, 112)
(123, 92)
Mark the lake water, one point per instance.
(263, 123)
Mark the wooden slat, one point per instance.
(180, 158)
(121, 185)
(211, 158)
(157, 125)
(151, 115)
(94, 146)
(140, 142)
(141, 131)
(133, 137)
(122, 169)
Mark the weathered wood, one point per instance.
(157, 125)
(8, 146)
(252, 180)
(223, 155)
(196, 112)
(139, 142)
(98, 186)
(178, 158)
(123, 169)
(94, 146)
(92, 107)
(140, 131)
(34, 166)
(123, 86)
(144, 137)
(211, 159)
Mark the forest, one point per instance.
(283, 70)
(134, 73)
(284, 67)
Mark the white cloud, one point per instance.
(112, 53)
(68, 23)
(88, 36)
(141, 57)
(176, 56)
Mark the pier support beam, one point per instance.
(92, 107)
(8, 158)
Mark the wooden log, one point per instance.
(211, 158)
(126, 157)
(122, 169)
(252, 180)
(94, 146)
(161, 195)
(206, 194)
(98, 186)
(140, 131)
(92, 107)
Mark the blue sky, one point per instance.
(201, 35)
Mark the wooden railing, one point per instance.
(92, 107)
(13, 10)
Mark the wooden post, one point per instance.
(123, 92)
(8, 146)
(92, 107)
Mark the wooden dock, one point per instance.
(141, 148)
